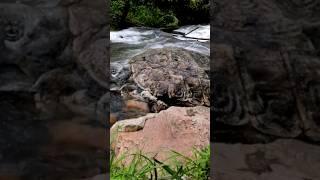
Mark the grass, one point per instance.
(140, 167)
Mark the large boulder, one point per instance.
(177, 129)
(172, 75)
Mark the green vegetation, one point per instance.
(158, 13)
(145, 16)
(177, 167)
(117, 8)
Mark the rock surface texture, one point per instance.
(265, 68)
(53, 88)
(178, 128)
(173, 76)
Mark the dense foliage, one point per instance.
(158, 13)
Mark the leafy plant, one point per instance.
(145, 16)
(117, 9)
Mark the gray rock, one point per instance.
(172, 75)
(120, 74)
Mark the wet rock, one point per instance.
(120, 73)
(185, 29)
(171, 76)
(201, 32)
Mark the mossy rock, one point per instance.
(169, 21)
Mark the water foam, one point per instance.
(130, 36)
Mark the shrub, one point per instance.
(158, 13)
(169, 21)
(117, 8)
(145, 16)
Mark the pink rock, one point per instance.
(178, 128)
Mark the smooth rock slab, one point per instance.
(185, 29)
(203, 32)
(194, 32)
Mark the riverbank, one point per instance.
(175, 63)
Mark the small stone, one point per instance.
(131, 125)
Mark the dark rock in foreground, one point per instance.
(282, 159)
(53, 89)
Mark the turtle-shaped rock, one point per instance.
(171, 76)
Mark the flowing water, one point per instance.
(129, 42)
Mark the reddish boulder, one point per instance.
(178, 128)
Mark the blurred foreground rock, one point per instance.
(53, 88)
(265, 70)
(282, 159)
